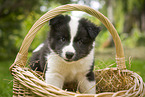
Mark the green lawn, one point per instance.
(5, 79)
(137, 65)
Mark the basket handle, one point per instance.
(21, 57)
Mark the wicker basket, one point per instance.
(111, 82)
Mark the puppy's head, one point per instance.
(72, 38)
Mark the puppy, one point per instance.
(68, 53)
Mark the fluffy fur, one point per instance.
(68, 53)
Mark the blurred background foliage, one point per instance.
(17, 17)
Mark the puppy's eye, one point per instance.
(62, 39)
(80, 41)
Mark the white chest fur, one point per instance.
(68, 71)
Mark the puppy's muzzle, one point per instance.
(69, 55)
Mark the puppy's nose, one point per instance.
(69, 55)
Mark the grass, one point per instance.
(137, 65)
(5, 79)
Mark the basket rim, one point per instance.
(21, 57)
(40, 88)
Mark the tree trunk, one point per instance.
(143, 22)
(109, 41)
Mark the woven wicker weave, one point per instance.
(111, 82)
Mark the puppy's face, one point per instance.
(72, 38)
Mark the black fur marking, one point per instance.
(38, 60)
(59, 33)
(91, 28)
(90, 75)
(85, 37)
(59, 20)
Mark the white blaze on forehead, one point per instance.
(73, 25)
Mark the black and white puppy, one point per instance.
(68, 53)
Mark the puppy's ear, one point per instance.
(60, 19)
(91, 28)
